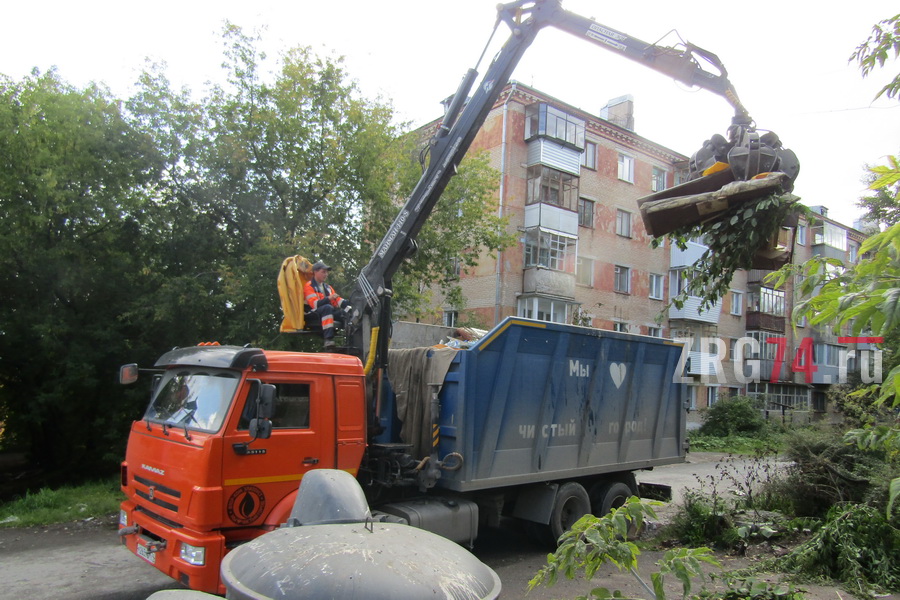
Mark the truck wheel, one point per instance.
(607, 496)
(572, 502)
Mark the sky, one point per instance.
(787, 60)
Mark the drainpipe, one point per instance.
(503, 150)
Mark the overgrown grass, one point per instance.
(69, 503)
(736, 444)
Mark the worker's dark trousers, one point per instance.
(326, 314)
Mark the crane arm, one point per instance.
(525, 18)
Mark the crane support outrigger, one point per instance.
(750, 153)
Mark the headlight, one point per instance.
(123, 518)
(194, 555)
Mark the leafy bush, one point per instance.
(856, 545)
(732, 416)
(703, 519)
(825, 471)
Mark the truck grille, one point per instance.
(156, 517)
(154, 490)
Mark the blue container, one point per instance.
(536, 401)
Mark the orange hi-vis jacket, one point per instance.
(314, 292)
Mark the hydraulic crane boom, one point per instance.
(525, 18)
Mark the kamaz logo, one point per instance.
(156, 470)
(576, 369)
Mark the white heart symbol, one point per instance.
(617, 371)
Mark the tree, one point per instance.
(877, 49)
(881, 206)
(74, 183)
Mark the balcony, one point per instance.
(551, 218)
(690, 311)
(538, 280)
(766, 322)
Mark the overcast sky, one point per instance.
(787, 60)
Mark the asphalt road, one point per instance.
(84, 561)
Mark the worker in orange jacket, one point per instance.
(324, 301)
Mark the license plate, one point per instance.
(150, 557)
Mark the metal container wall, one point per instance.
(535, 401)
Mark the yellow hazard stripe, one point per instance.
(486, 342)
(273, 478)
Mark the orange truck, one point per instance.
(200, 485)
(539, 422)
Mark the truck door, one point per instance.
(302, 438)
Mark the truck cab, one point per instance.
(201, 476)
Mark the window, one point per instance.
(623, 223)
(781, 395)
(732, 348)
(589, 156)
(767, 301)
(455, 268)
(827, 354)
(654, 332)
(585, 212)
(451, 317)
(552, 187)
(678, 281)
(550, 250)
(626, 168)
(623, 279)
(656, 286)
(584, 271)
(692, 397)
(801, 234)
(291, 407)
(737, 303)
(193, 397)
(620, 326)
(545, 120)
(544, 309)
(830, 235)
(658, 180)
(766, 351)
(713, 394)
(854, 252)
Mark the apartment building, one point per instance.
(570, 184)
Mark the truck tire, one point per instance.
(607, 496)
(572, 502)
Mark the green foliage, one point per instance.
(75, 190)
(127, 228)
(735, 415)
(856, 545)
(732, 239)
(69, 503)
(864, 298)
(825, 470)
(594, 541)
(877, 49)
(703, 519)
(749, 588)
(735, 444)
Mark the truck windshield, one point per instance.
(193, 398)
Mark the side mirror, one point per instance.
(128, 374)
(260, 429)
(266, 401)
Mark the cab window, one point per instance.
(291, 407)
